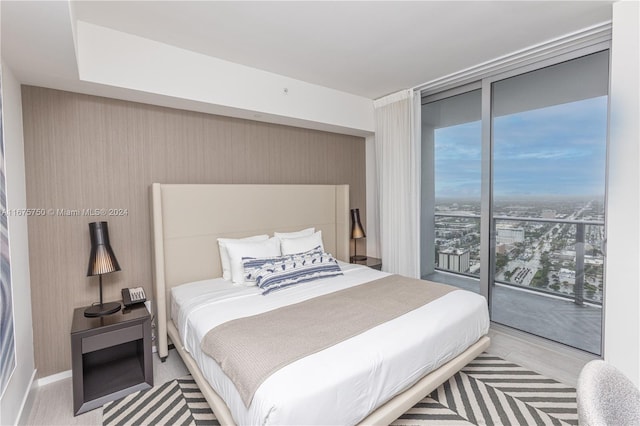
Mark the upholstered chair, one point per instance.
(606, 397)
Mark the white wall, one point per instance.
(20, 383)
(114, 58)
(622, 293)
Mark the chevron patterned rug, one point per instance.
(488, 391)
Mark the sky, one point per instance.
(553, 151)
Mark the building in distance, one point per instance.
(506, 234)
(454, 259)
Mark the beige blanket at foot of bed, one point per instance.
(250, 349)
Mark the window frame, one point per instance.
(487, 229)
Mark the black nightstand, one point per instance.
(371, 262)
(111, 356)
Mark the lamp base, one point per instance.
(103, 309)
(358, 259)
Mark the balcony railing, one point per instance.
(537, 248)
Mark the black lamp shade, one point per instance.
(101, 260)
(357, 231)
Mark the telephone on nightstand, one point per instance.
(131, 296)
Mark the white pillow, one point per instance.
(297, 234)
(238, 250)
(301, 244)
(224, 256)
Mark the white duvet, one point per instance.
(340, 385)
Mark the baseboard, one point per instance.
(27, 401)
(64, 375)
(53, 378)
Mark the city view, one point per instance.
(537, 142)
(536, 249)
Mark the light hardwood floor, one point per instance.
(550, 359)
(52, 404)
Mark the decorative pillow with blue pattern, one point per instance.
(254, 264)
(273, 274)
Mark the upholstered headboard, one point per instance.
(187, 220)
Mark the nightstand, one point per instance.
(371, 262)
(111, 356)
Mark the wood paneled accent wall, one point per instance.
(85, 153)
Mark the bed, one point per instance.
(187, 220)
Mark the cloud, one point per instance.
(558, 150)
(539, 155)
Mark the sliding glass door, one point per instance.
(549, 132)
(514, 180)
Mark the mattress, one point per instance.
(341, 384)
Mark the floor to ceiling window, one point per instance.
(452, 150)
(524, 155)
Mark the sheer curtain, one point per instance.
(398, 166)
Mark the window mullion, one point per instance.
(487, 233)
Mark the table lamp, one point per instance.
(101, 261)
(356, 233)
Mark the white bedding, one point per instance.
(341, 384)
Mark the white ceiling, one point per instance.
(364, 48)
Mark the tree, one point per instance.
(501, 261)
